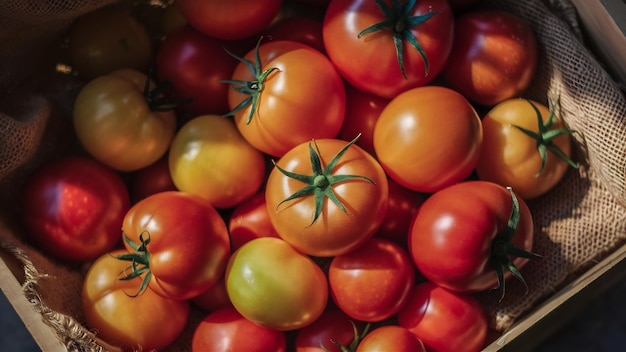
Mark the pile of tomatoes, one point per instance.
(345, 175)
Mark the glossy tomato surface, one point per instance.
(391, 338)
(250, 220)
(332, 327)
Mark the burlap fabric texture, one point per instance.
(577, 224)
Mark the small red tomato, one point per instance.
(152, 179)
(250, 220)
(332, 325)
(391, 338)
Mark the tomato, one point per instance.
(152, 179)
(273, 285)
(362, 39)
(118, 123)
(124, 320)
(531, 164)
(372, 282)
(391, 338)
(72, 208)
(403, 205)
(362, 111)
(250, 220)
(493, 58)
(331, 328)
(298, 29)
(428, 138)
(443, 320)
(106, 40)
(352, 180)
(463, 236)
(210, 158)
(180, 240)
(214, 298)
(195, 64)
(294, 94)
(233, 19)
(227, 330)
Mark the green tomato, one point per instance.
(273, 285)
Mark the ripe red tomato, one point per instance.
(274, 285)
(372, 282)
(227, 330)
(73, 208)
(180, 239)
(391, 338)
(126, 321)
(298, 29)
(335, 211)
(371, 61)
(493, 58)
(464, 236)
(403, 205)
(332, 327)
(233, 19)
(443, 320)
(214, 298)
(152, 179)
(250, 220)
(294, 95)
(428, 138)
(195, 64)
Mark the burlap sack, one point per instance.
(577, 224)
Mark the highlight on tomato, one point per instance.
(327, 197)
(428, 138)
(272, 284)
(177, 242)
(472, 236)
(126, 320)
(526, 146)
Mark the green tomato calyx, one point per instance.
(399, 20)
(502, 248)
(156, 98)
(320, 183)
(139, 261)
(252, 88)
(545, 137)
(358, 337)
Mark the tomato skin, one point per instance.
(189, 245)
(195, 64)
(332, 325)
(298, 29)
(403, 205)
(459, 224)
(227, 330)
(305, 81)
(391, 338)
(351, 277)
(114, 123)
(273, 285)
(72, 208)
(152, 179)
(233, 19)
(351, 55)
(417, 147)
(250, 220)
(123, 320)
(494, 56)
(209, 157)
(511, 158)
(334, 232)
(214, 298)
(108, 39)
(443, 320)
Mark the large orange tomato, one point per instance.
(327, 197)
(428, 138)
(531, 162)
(287, 95)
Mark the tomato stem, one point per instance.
(139, 259)
(156, 98)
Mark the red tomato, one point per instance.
(227, 330)
(152, 179)
(370, 61)
(180, 239)
(214, 298)
(403, 205)
(126, 321)
(391, 338)
(352, 180)
(372, 282)
(73, 208)
(464, 234)
(494, 56)
(428, 138)
(294, 95)
(298, 29)
(443, 320)
(362, 111)
(250, 220)
(233, 19)
(332, 325)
